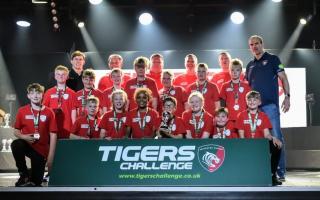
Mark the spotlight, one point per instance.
(23, 23)
(39, 2)
(80, 24)
(237, 18)
(276, 1)
(145, 19)
(95, 2)
(56, 26)
(303, 21)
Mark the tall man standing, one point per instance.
(262, 74)
(75, 76)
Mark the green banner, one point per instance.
(165, 162)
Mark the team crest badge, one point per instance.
(211, 157)
(264, 62)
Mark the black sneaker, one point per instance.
(275, 181)
(29, 184)
(46, 178)
(282, 179)
(22, 181)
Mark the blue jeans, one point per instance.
(274, 116)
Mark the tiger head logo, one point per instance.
(211, 157)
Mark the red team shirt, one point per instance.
(78, 104)
(207, 124)
(63, 119)
(228, 131)
(107, 101)
(177, 92)
(109, 122)
(151, 123)
(243, 123)
(156, 78)
(106, 82)
(47, 124)
(184, 80)
(229, 95)
(222, 77)
(210, 94)
(131, 87)
(82, 128)
(176, 126)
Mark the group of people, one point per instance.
(153, 105)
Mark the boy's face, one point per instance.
(142, 100)
(202, 74)
(92, 108)
(115, 62)
(253, 103)
(88, 82)
(61, 76)
(221, 119)
(78, 62)
(35, 97)
(235, 73)
(118, 101)
(140, 70)
(190, 64)
(169, 107)
(116, 78)
(224, 61)
(166, 80)
(195, 103)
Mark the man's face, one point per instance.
(78, 62)
(221, 119)
(166, 80)
(92, 108)
(156, 64)
(202, 74)
(253, 103)
(224, 61)
(255, 46)
(190, 64)
(35, 97)
(61, 76)
(195, 103)
(115, 62)
(235, 73)
(88, 82)
(116, 78)
(118, 101)
(142, 100)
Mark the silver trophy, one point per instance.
(9, 142)
(4, 145)
(7, 120)
(164, 126)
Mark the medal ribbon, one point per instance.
(203, 88)
(253, 124)
(36, 119)
(116, 125)
(197, 127)
(142, 122)
(89, 133)
(60, 94)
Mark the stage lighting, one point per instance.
(303, 21)
(39, 2)
(95, 2)
(80, 24)
(237, 17)
(277, 1)
(145, 19)
(23, 23)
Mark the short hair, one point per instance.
(195, 59)
(156, 55)
(78, 53)
(141, 61)
(146, 91)
(61, 68)
(197, 94)
(203, 65)
(258, 37)
(236, 63)
(224, 53)
(89, 73)
(253, 94)
(35, 87)
(93, 99)
(114, 56)
(221, 110)
(115, 70)
(171, 99)
(169, 72)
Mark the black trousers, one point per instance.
(275, 157)
(21, 149)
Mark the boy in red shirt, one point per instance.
(209, 90)
(185, 79)
(171, 126)
(142, 121)
(198, 122)
(35, 128)
(86, 127)
(115, 77)
(80, 101)
(253, 123)
(60, 98)
(156, 67)
(113, 122)
(233, 92)
(224, 128)
(177, 92)
(141, 81)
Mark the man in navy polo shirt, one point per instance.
(262, 74)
